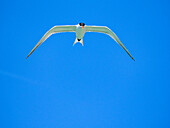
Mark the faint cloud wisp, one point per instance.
(18, 77)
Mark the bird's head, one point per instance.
(82, 25)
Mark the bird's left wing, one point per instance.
(53, 30)
(106, 30)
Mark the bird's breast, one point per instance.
(80, 32)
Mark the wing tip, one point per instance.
(133, 59)
(28, 56)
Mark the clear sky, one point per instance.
(94, 86)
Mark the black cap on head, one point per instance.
(81, 24)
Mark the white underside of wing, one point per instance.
(106, 30)
(53, 30)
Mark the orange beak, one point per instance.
(82, 27)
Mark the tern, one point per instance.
(80, 30)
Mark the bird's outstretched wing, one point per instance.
(106, 30)
(53, 30)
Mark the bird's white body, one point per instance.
(80, 30)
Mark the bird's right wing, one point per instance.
(53, 30)
(106, 30)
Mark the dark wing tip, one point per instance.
(132, 57)
(30, 53)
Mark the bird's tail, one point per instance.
(81, 41)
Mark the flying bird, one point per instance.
(80, 30)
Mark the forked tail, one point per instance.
(76, 40)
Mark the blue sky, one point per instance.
(95, 86)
